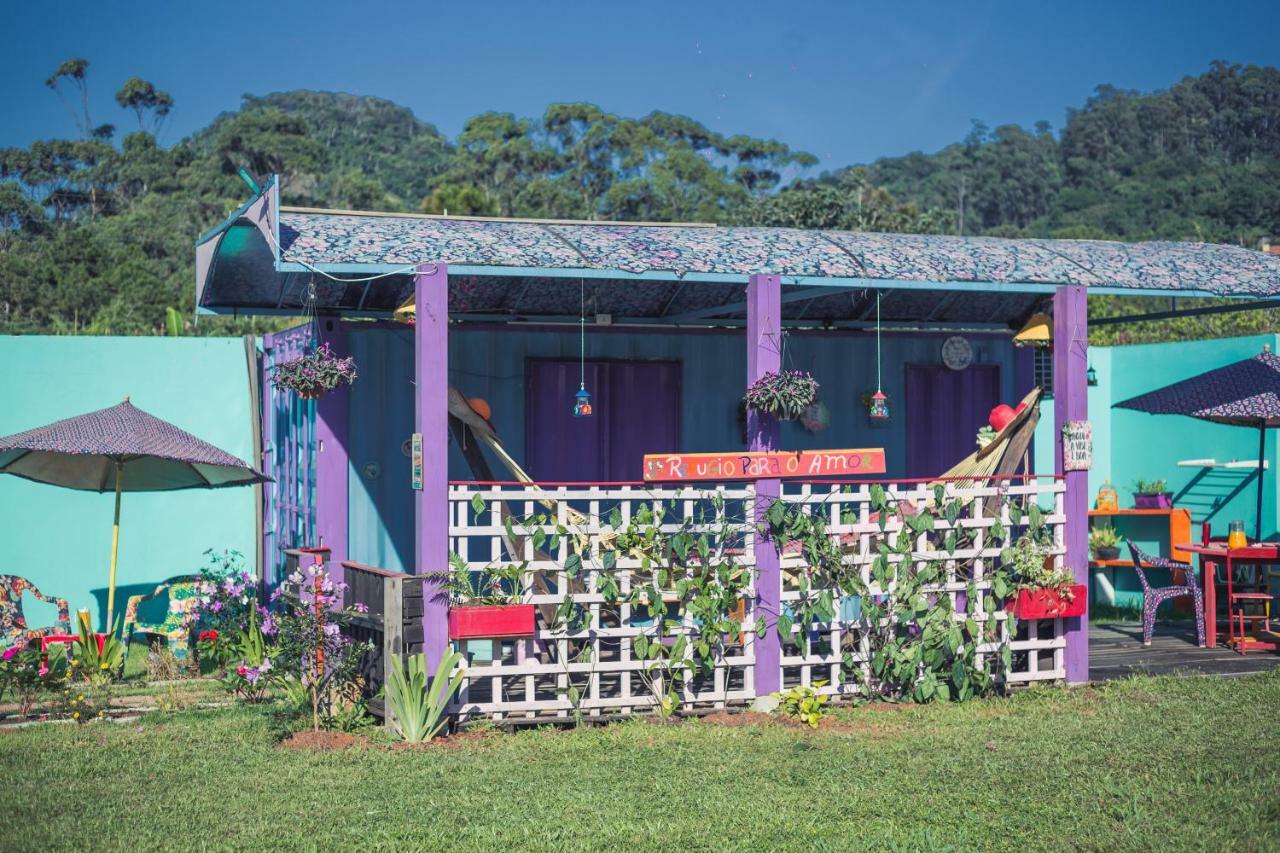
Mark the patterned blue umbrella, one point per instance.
(1246, 393)
(119, 449)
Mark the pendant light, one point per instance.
(878, 410)
(582, 400)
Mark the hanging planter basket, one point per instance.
(785, 394)
(315, 374)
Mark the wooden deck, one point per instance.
(1116, 651)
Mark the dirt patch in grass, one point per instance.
(323, 741)
(452, 741)
(740, 718)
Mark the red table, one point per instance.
(1261, 554)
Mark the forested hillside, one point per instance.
(96, 230)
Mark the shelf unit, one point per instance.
(1179, 530)
(1110, 574)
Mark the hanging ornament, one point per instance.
(816, 417)
(582, 403)
(878, 408)
(582, 400)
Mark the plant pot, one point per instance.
(1111, 553)
(491, 621)
(1162, 500)
(1047, 604)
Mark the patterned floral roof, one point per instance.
(320, 239)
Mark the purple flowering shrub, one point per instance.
(315, 373)
(311, 650)
(226, 604)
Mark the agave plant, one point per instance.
(416, 709)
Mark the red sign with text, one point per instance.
(751, 465)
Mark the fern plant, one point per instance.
(416, 708)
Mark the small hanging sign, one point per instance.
(1077, 446)
(415, 457)
(666, 467)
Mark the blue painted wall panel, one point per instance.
(61, 539)
(490, 363)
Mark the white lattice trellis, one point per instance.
(530, 677)
(1037, 648)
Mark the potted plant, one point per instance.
(488, 604)
(1152, 494)
(785, 393)
(1103, 541)
(315, 374)
(1044, 591)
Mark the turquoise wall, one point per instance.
(61, 539)
(490, 363)
(1130, 445)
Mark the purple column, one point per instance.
(1070, 392)
(332, 462)
(431, 419)
(764, 353)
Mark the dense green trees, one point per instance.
(96, 230)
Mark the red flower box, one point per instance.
(491, 621)
(1047, 604)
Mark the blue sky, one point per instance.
(849, 82)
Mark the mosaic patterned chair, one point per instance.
(1153, 597)
(13, 623)
(181, 595)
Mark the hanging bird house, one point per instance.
(878, 410)
(582, 403)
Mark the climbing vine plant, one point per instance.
(920, 648)
(685, 578)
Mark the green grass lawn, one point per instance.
(1138, 764)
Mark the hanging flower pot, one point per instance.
(315, 374)
(785, 394)
(491, 621)
(1051, 602)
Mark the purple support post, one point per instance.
(764, 353)
(431, 419)
(1070, 392)
(332, 461)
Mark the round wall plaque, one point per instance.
(957, 353)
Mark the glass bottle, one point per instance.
(1235, 535)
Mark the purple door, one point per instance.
(637, 411)
(944, 410)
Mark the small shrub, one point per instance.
(804, 703)
(25, 673)
(162, 664)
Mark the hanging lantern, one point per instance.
(878, 410)
(582, 403)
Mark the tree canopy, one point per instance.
(96, 230)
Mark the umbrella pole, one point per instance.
(1262, 470)
(115, 548)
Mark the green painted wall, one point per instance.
(1130, 445)
(60, 539)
